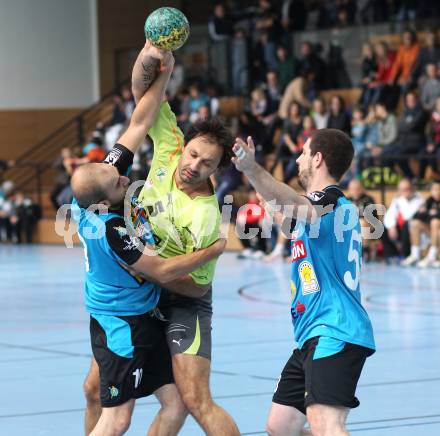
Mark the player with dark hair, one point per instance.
(332, 329)
(184, 215)
(127, 336)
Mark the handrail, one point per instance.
(74, 119)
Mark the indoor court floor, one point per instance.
(45, 351)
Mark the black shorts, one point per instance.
(190, 323)
(329, 380)
(132, 355)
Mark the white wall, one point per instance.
(48, 54)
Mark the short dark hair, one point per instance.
(336, 149)
(216, 132)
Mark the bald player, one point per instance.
(127, 338)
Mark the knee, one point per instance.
(174, 410)
(196, 401)
(275, 427)
(91, 390)
(121, 424)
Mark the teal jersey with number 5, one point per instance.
(326, 264)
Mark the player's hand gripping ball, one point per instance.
(167, 28)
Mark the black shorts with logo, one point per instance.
(132, 355)
(329, 380)
(189, 323)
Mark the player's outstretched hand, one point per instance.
(165, 57)
(244, 158)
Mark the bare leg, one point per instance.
(435, 233)
(172, 414)
(191, 374)
(327, 420)
(91, 392)
(286, 421)
(114, 421)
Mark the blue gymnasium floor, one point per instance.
(45, 351)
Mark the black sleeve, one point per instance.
(128, 248)
(121, 158)
(324, 198)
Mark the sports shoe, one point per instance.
(426, 262)
(410, 261)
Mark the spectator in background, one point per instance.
(249, 219)
(385, 60)
(116, 123)
(387, 127)
(298, 90)
(213, 94)
(402, 209)
(273, 94)
(308, 127)
(62, 180)
(127, 102)
(426, 221)
(430, 54)
(267, 24)
(429, 88)
(431, 153)
(196, 99)
(359, 132)
(319, 113)
(368, 74)
(259, 104)
(220, 25)
(360, 198)
(405, 61)
(310, 65)
(410, 135)
(286, 67)
(338, 118)
(176, 80)
(227, 181)
(240, 62)
(23, 218)
(289, 150)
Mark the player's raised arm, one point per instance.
(267, 186)
(145, 70)
(148, 106)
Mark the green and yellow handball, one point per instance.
(167, 28)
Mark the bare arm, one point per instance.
(163, 270)
(146, 110)
(267, 186)
(145, 70)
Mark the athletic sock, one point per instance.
(432, 253)
(415, 251)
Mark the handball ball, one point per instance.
(167, 28)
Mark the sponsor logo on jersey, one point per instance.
(160, 174)
(295, 234)
(298, 250)
(298, 310)
(113, 156)
(148, 184)
(309, 282)
(316, 196)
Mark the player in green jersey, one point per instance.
(184, 214)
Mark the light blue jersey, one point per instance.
(326, 264)
(110, 288)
